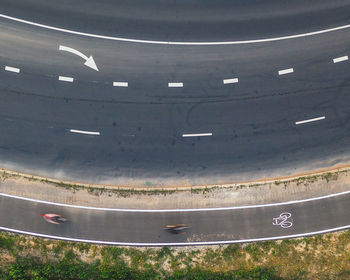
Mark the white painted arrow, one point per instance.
(89, 60)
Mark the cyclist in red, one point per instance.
(53, 218)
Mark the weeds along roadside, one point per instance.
(318, 257)
(123, 191)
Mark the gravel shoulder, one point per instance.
(237, 194)
(298, 187)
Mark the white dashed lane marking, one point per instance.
(175, 84)
(310, 120)
(120, 84)
(197, 135)
(65, 79)
(340, 59)
(285, 71)
(230, 81)
(84, 132)
(12, 69)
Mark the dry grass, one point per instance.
(319, 257)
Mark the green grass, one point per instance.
(318, 257)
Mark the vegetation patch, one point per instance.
(319, 257)
(151, 189)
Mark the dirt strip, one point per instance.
(300, 186)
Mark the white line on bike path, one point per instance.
(175, 210)
(174, 43)
(176, 243)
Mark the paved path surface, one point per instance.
(206, 227)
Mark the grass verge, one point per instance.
(319, 257)
(127, 191)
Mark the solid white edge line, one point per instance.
(175, 43)
(176, 210)
(285, 71)
(197, 135)
(310, 120)
(120, 84)
(175, 84)
(84, 132)
(12, 69)
(230, 81)
(65, 79)
(340, 59)
(176, 243)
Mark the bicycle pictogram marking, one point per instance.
(284, 220)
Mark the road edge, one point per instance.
(323, 173)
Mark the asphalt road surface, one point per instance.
(240, 104)
(190, 20)
(205, 227)
(187, 104)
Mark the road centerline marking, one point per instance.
(285, 71)
(176, 85)
(310, 120)
(230, 81)
(120, 84)
(84, 132)
(12, 69)
(197, 135)
(66, 79)
(340, 59)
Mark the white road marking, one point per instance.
(230, 81)
(89, 61)
(283, 221)
(65, 79)
(175, 210)
(175, 84)
(310, 120)
(340, 59)
(197, 135)
(84, 132)
(285, 71)
(176, 243)
(12, 69)
(174, 42)
(120, 84)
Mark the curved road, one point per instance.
(190, 20)
(167, 114)
(252, 119)
(144, 228)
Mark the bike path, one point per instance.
(206, 227)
